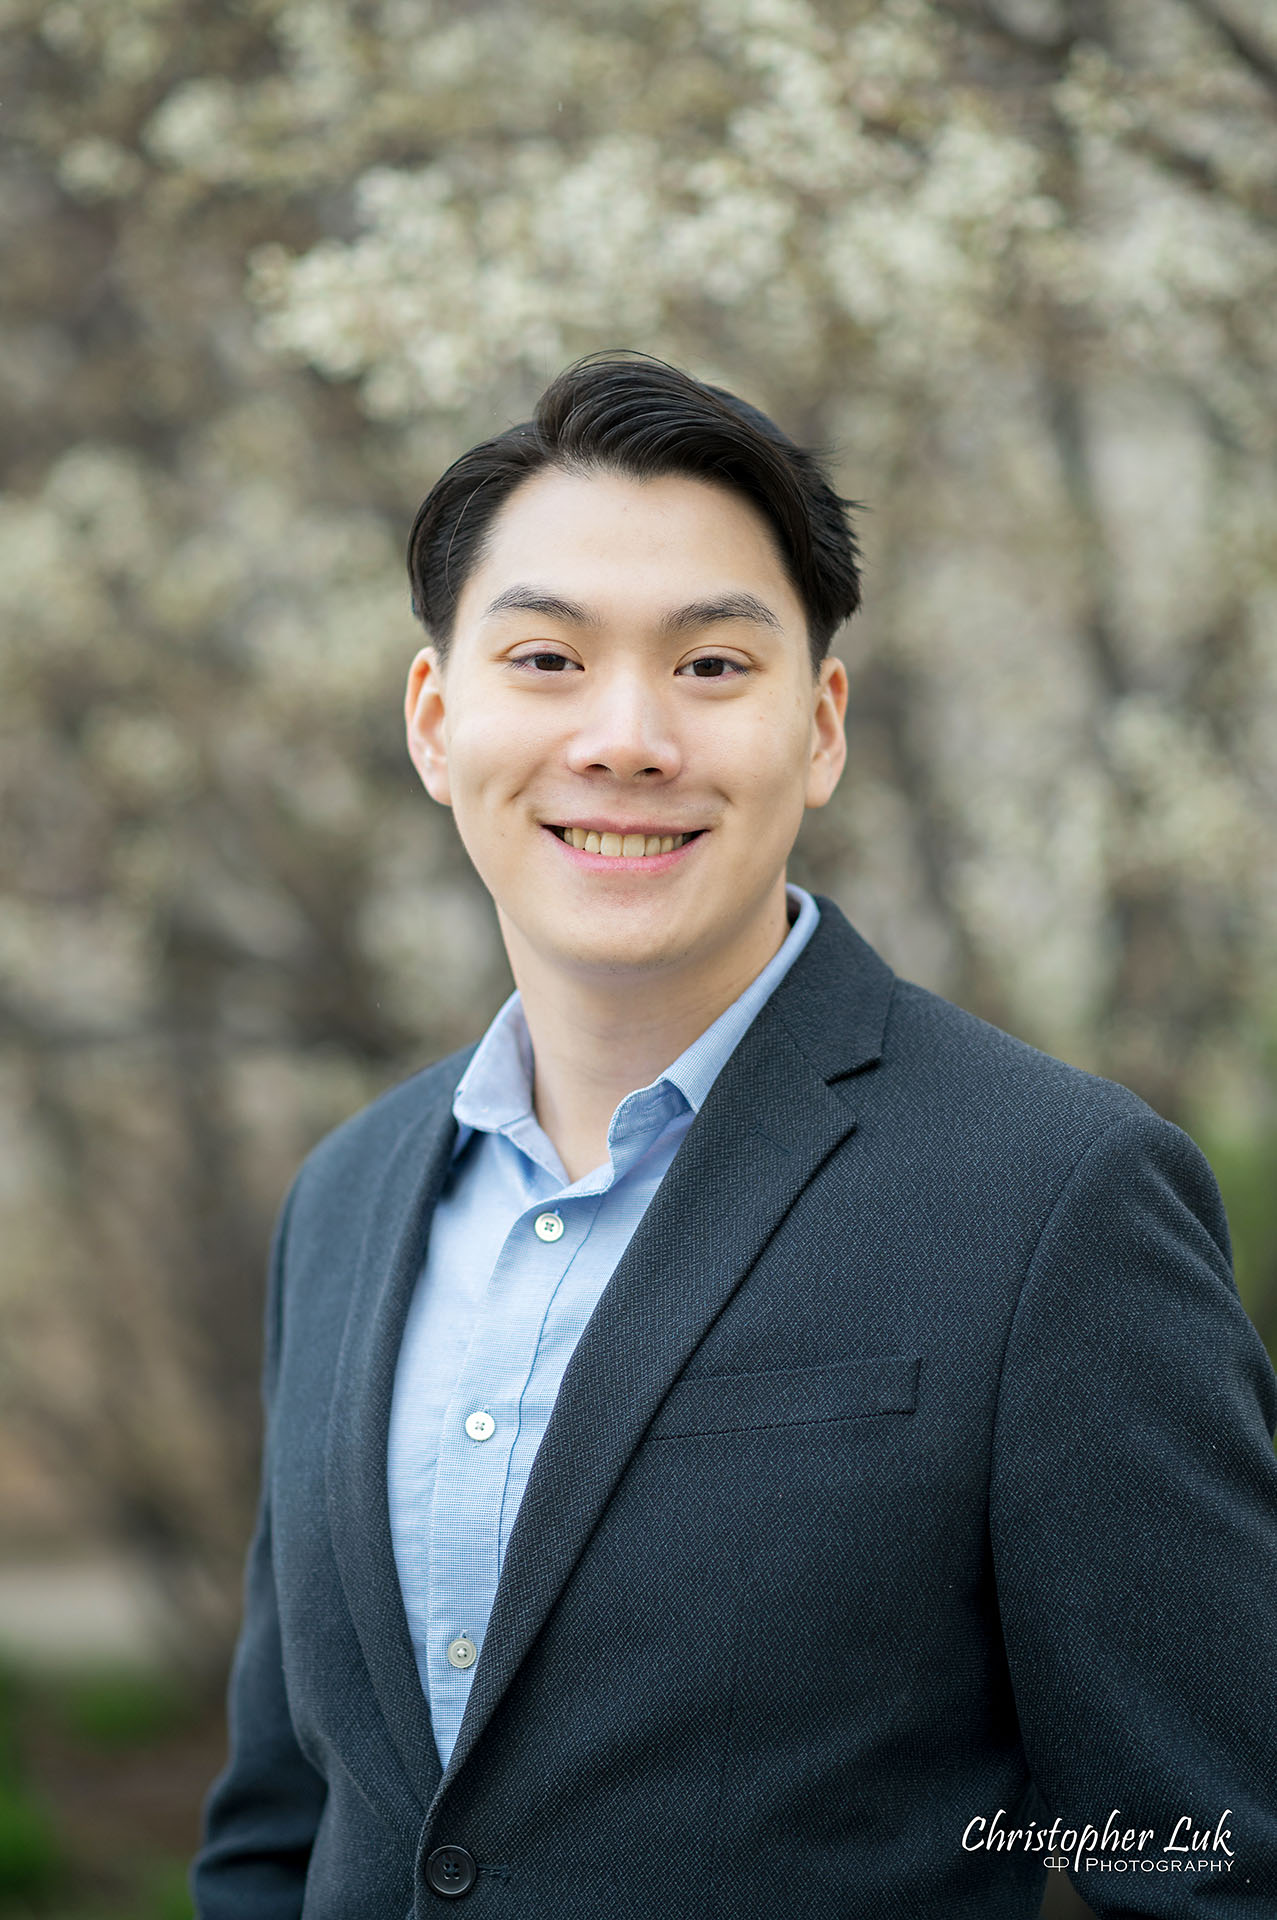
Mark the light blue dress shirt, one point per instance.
(517, 1259)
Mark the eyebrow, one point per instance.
(698, 613)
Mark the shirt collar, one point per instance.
(494, 1094)
(698, 1066)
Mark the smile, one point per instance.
(623, 846)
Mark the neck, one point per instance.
(596, 1037)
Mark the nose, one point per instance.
(626, 728)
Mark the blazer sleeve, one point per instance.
(263, 1809)
(1133, 1519)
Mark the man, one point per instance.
(748, 1439)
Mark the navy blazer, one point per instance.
(913, 1471)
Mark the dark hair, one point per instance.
(628, 413)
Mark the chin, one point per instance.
(622, 949)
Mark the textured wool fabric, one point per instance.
(915, 1465)
(497, 1311)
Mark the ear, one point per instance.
(828, 738)
(424, 716)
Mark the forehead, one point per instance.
(620, 541)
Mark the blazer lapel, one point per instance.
(390, 1259)
(770, 1120)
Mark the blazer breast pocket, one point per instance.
(730, 1402)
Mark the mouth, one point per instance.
(623, 846)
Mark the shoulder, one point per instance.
(1045, 1129)
(946, 1075)
(987, 1113)
(965, 1066)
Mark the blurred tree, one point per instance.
(269, 266)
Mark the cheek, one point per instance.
(487, 756)
(765, 763)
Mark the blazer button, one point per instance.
(450, 1871)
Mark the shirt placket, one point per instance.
(481, 1429)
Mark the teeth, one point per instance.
(630, 846)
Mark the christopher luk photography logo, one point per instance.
(1189, 1847)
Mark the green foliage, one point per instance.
(165, 1894)
(30, 1850)
(1246, 1168)
(30, 1847)
(10, 1693)
(122, 1707)
(92, 1719)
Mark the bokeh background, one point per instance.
(268, 265)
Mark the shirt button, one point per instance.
(480, 1425)
(462, 1652)
(548, 1226)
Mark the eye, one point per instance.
(712, 666)
(543, 661)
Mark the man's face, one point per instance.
(629, 661)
